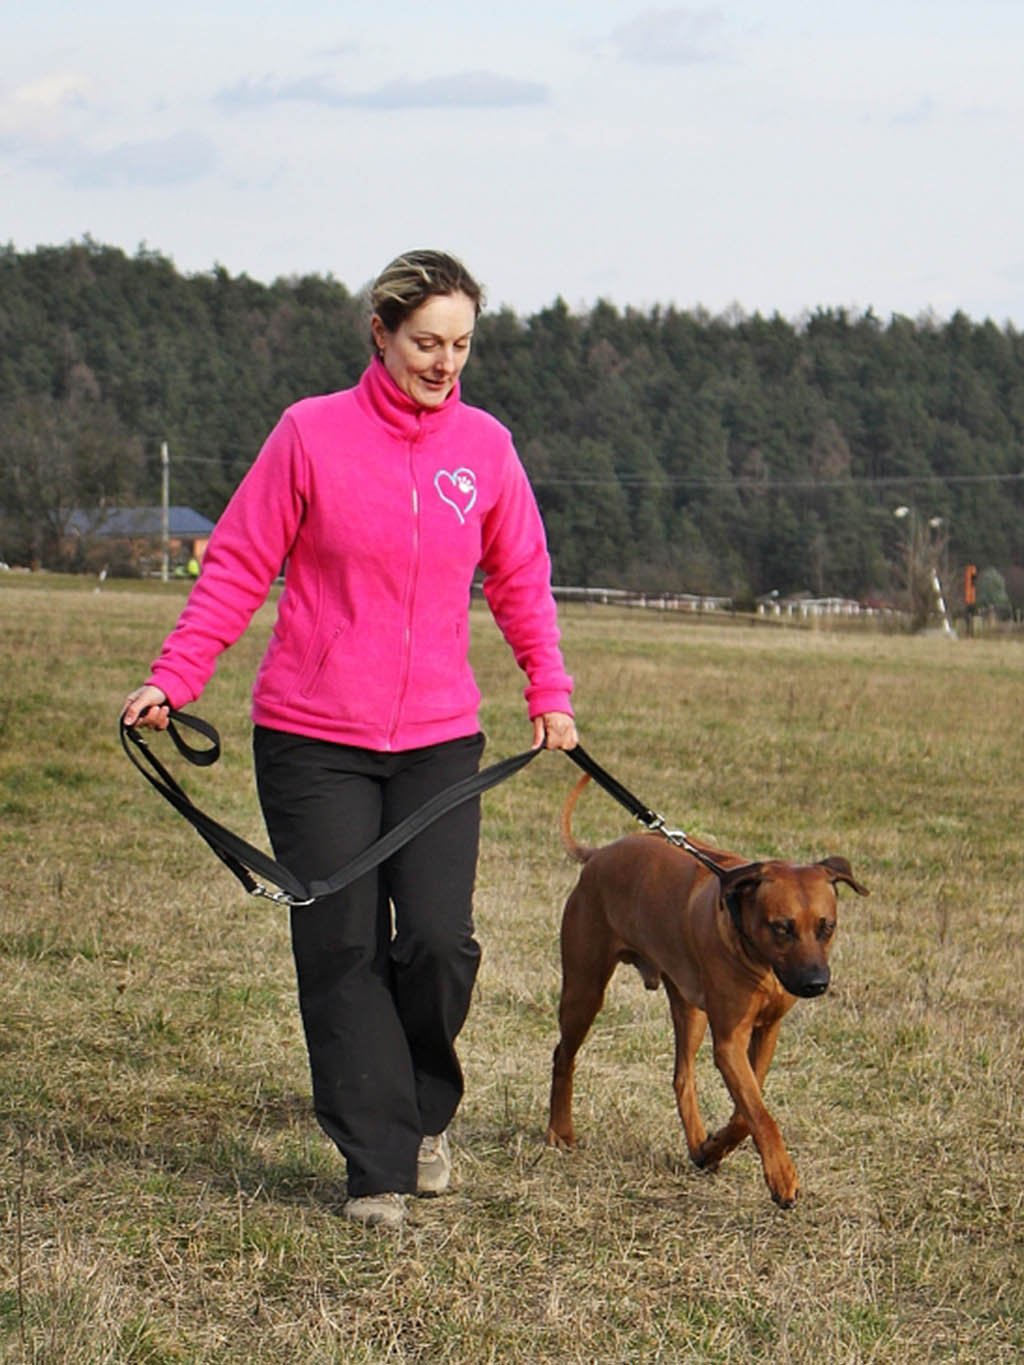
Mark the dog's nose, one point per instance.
(817, 985)
(807, 984)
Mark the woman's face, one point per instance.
(425, 353)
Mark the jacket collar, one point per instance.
(381, 397)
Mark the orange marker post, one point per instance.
(970, 594)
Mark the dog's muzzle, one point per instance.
(806, 984)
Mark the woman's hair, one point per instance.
(413, 278)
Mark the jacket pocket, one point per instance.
(322, 659)
(443, 686)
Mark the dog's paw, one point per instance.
(782, 1182)
(561, 1142)
(708, 1156)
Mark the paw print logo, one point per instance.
(457, 489)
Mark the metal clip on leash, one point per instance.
(674, 836)
(278, 897)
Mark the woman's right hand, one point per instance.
(151, 701)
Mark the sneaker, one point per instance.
(433, 1165)
(376, 1210)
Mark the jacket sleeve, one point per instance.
(245, 554)
(517, 586)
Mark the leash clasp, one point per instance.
(657, 825)
(675, 836)
(278, 897)
(681, 839)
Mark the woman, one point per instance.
(381, 501)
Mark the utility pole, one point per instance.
(947, 624)
(165, 511)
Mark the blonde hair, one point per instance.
(413, 278)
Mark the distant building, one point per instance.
(132, 537)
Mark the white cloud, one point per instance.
(40, 109)
(178, 159)
(671, 37)
(922, 111)
(463, 90)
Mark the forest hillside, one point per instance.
(670, 450)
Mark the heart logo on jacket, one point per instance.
(457, 489)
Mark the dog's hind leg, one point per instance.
(689, 1024)
(588, 959)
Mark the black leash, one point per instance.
(255, 869)
(650, 819)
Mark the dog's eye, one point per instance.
(826, 928)
(783, 929)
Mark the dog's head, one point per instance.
(786, 916)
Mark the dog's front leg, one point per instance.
(732, 1057)
(761, 1050)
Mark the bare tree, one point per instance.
(57, 455)
(924, 548)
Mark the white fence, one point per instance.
(658, 601)
(793, 608)
(806, 607)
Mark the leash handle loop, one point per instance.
(201, 758)
(242, 859)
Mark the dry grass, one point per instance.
(166, 1196)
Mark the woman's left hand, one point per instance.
(554, 730)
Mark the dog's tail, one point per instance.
(575, 850)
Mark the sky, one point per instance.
(768, 156)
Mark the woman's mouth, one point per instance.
(434, 384)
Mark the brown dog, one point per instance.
(734, 949)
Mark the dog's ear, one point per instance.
(839, 870)
(733, 881)
(732, 878)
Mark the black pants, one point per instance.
(386, 966)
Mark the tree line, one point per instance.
(670, 450)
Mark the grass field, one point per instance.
(166, 1196)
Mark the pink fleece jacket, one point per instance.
(381, 511)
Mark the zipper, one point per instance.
(409, 599)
